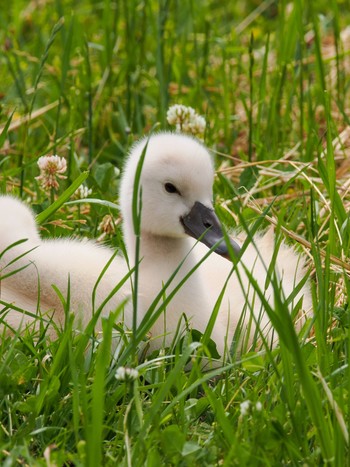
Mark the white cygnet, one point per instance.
(176, 196)
(178, 226)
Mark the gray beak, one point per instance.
(202, 223)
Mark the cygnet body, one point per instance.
(61, 263)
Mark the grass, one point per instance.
(84, 80)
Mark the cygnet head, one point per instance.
(176, 182)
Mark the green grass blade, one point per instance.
(63, 198)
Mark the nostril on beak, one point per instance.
(208, 225)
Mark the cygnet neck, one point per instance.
(157, 248)
(164, 247)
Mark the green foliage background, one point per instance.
(84, 79)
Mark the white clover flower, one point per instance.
(196, 126)
(82, 192)
(186, 120)
(126, 374)
(179, 114)
(245, 407)
(51, 169)
(258, 406)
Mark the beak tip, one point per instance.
(224, 251)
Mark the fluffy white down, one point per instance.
(186, 164)
(53, 262)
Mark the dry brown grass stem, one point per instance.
(15, 124)
(305, 243)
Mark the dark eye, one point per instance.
(170, 188)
